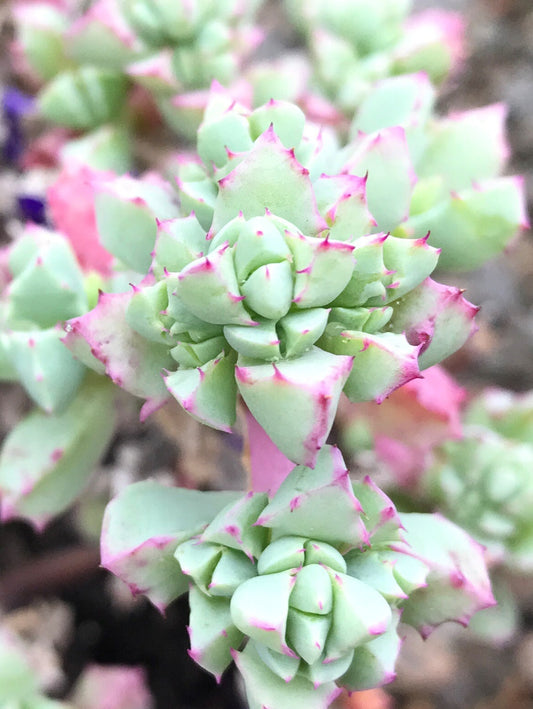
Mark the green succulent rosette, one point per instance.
(286, 290)
(47, 457)
(483, 483)
(90, 56)
(354, 43)
(461, 198)
(303, 590)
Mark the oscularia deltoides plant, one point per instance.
(280, 264)
(288, 291)
(303, 590)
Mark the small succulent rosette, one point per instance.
(354, 43)
(90, 56)
(483, 481)
(283, 287)
(47, 457)
(312, 582)
(461, 199)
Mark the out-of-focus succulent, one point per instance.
(469, 210)
(314, 579)
(483, 481)
(473, 465)
(48, 456)
(92, 54)
(354, 43)
(286, 288)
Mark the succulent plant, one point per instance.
(354, 43)
(314, 579)
(242, 299)
(48, 277)
(488, 471)
(90, 56)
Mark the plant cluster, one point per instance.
(278, 264)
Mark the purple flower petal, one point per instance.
(32, 208)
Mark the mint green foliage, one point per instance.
(46, 287)
(470, 211)
(313, 579)
(142, 528)
(242, 298)
(47, 458)
(483, 482)
(18, 682)
(92, 54)
(354, 43)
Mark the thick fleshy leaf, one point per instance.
(126, 212)
(227, 132)
(40, 31)
(102, 37)
(475, 224)
(287, 119)
(314, 261)
(382, 362)
(113, 686)
(282, 665)
(46, 459)
(47, 284)
(369, 275)
(266, 689)
(381, 517)
(45, 368)
(368, 566)
(318, 503)
(326, 670)
(105, 148)
(209, 288)
(268, 465)
(342, 198)
(142, 528)
(179, 241)
(457, 585)
(300, 330)
(212, 632)
(307, 633)
(83, 98)
(259, 609)
(258, 342)
(235, 526)
(133, 363)
(295, 400)
(207, 393)
(197, 191)
(71, 202)
(466, 147)
(373, 663)
(391, 176)
(284, 188)
(437, 317)
(405, 101)
(360, 613)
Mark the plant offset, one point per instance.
(286, 257)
